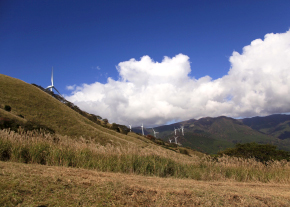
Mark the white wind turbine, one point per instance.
(175, 137)
(182, 130)
(130, 127)
(174, 131)
(170, 140)
(142, 129)
(52, 86)
(155, 133)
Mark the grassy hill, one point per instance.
(39, 107)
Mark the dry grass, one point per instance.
(57, 150)
(35, 185)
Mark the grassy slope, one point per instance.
(36, 105)
(35, 185)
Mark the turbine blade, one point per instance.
(52, 76)
(57, 91)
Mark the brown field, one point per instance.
(35, 185)
(194, 181)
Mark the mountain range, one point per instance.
(211, 135)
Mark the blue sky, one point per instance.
(85, 40)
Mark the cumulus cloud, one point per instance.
(156, 93)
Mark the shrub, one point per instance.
(5, 150)
(115, 127)
(150, 137)
(183, 151)
(172, 145)
(105, 121)
(30, 126)
(7, 108)
(261, 152)
(7, 123)
(120, 128)
(160, 142)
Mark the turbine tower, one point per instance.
(142, 129)
(130, 127)
(175, 139)
(52, 86)
(182, 130)
(155, 133)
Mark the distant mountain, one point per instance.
(277, 125)
(211, 135)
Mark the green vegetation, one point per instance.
(277, 125)
(7, 108)
(261, 152)
(6, 123)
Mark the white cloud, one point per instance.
(97, 68)
(155, 93)
(71, 88)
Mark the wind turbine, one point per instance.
(175, 139)
(52, 86)
(155, 133)
(170, 140)
(182, 130)
(174, 131)
(130, 128)
(142, 129)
